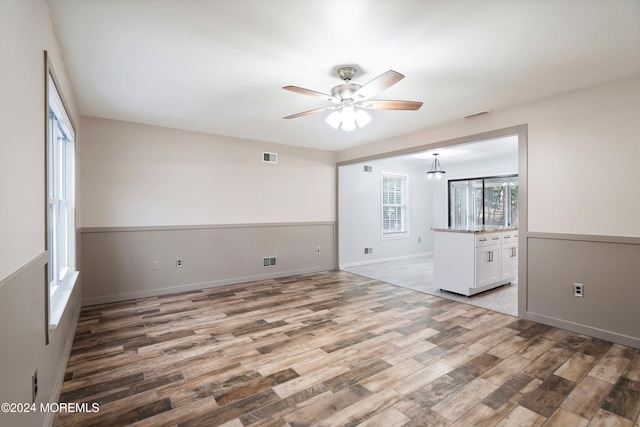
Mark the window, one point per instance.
(483, 201)
(394, 206)
(60, 154)
(501, 201)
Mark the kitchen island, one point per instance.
(472, 260)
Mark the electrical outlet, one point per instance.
(578, 290)
(155, 265)
(318, 249)
(179, 263)
(34, 386)
(419, 239)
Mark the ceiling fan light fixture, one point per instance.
(351, 98)
(436, 171)
(334, 119)
(348, 117)
(362, 118)
(349, 126)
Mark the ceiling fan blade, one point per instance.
(305, 113)
(391, 105)
(313, 93)
(377, 85)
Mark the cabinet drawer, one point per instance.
(509, 236)
(485, 239)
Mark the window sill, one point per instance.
(60, 298)
(391, 236)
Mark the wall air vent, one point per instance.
(368, 251)
(269, 157)
(476, 114)
(368, 168)
(269, 261)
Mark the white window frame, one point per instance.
(399, 202)
(60, 194)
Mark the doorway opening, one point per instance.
(407, 259)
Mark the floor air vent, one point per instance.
(269, 261)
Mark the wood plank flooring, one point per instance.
(336, 349)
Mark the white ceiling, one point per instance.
(505, 147)
(218, 66)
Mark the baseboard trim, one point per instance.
(379, 260)
(197, 286)
(583, 329)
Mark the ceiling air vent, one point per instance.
(269, 157)
(368, 168)
(476, 114)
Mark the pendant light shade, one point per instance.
(436, 171)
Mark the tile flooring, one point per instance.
(337, 349)
(417, 273)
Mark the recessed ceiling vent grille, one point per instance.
(368, 168)
(269, 261)
(476, 114)
(269, 157)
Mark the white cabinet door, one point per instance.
(488, 266)
(509, 261)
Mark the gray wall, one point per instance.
(609, 269)
(23, 338)
(117, 262)
(26, 32)
(157, 194)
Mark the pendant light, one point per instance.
(436, 171)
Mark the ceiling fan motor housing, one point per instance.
(345, 91)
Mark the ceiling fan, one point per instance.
(351, 99)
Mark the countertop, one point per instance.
(476, 229)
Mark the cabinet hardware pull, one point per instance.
(490, 256)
